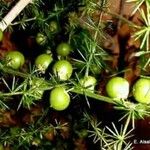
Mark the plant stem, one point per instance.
(127, 124)
(117, 16)
(27, 20)
(13, 13)
(93, 49)
(13, 72)
(11, 94)
(124, 131)
(93, 95)
(74, 90)
(99, 21)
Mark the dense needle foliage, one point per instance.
(27, 118)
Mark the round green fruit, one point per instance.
(59, 99)
(63, 69)
(41, 39)
(96, 70)
(43, 61)
(88, 82)
(53, 26)
(63, 49)
(141, 90)
(117, 87)
(14, 59)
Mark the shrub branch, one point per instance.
(13, 13)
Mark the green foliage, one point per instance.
(22, 89)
